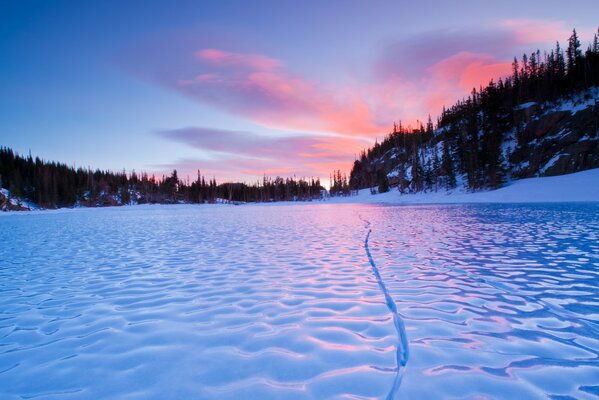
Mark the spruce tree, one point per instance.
(573, 53)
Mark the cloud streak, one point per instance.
(250, 154)
(229, 59)
(259, 88)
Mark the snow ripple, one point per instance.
(499, 301)
(280, 302)
(191, 302)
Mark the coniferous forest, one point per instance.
(516, 127)
(52, 185)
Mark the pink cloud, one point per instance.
(447, 66)
(437, 68)
(467, 70)
(251, 155)
(479, 72)
(231, 59)
(528, 31)
(439, 84)
(455, 76)
(411, 78)
(256, 87)
(270, 172)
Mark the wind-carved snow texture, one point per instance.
(499, 301)
(213, 302)
(402, 353)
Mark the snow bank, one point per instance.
(578, 187)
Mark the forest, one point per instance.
(485, 139)
(54, 185)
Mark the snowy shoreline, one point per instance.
(577, 187)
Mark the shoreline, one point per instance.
(579, 187)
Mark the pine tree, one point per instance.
(573, 53)
(447, 167)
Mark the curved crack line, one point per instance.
(402, 352)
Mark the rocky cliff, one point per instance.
(561, 140)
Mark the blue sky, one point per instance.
(220, 86)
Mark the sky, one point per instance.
(240, 89)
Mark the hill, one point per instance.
(541, 121)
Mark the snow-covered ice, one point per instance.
(301, 301)
(191, 302)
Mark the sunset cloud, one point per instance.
(412, 78)
(250, 154)
(258, 88)
(408, 80)
(418, 75)
(458, 74)
(535, 31)
(229, 59)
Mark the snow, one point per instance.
(393, 174)
(578, 187)
(550, 163)
(555, 136)
(579, 102)
(315, 300)
(524, 106)
(508, 145)
(17, 202)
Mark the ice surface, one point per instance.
(498, 301)
(191, 302)
(264, 302)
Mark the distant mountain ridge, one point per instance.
(541, 121)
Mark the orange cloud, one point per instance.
(466, 70)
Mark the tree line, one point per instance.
(467, 139)
(339, 184)
(51, 184)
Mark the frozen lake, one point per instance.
(301, 301)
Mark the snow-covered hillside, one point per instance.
(10, 203)
(577, 187)
(474, 148)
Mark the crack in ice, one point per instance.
(402, 351)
